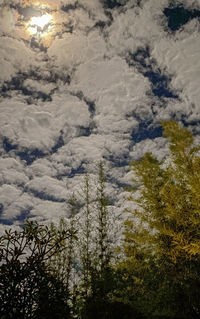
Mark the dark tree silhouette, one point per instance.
(28, 289)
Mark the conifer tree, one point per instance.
(103, 242)
(86, 250)
(169, 232)
(98, 303)
(170, 197)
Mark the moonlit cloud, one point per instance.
(93, 82)
(40, 25)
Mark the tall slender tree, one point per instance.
(87, 253)
(103, 242)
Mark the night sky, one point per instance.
(89, 80)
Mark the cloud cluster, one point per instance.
(95, 88)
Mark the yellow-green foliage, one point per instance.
(169, 200)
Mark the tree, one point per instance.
(99, 302)
(168, 236)
(62, 262)
(87, 252)
(26, 281)
(103, 241)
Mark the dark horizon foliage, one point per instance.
(28, 288)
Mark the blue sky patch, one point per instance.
(30, 156)
(146, 130)
(179, 16)
(160, 82)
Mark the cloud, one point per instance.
(73, 49)
(7, 21)
(12, 61)
(47, 188)
(158, 147)
(179, 57)
(96, 88)
(12, 172)
(37, 127)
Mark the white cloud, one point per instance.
(7, 20)
(80, 149)
(51, 211)
(115, 124)
(181, 58)
(111, 79)
(39, 86)
(38, 126)
(158, 147)
(90, 63)
(15, 57)
(42, 167)
(137, 27)
(74, 49)
(48, 186)
(14, 201)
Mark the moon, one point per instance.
(40, 25)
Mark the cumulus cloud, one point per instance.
(12, 60)
(181, 65)
(38, 126)
(95, 87)
(73, 49)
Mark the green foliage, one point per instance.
(170, 197)
(25, 275)
(163, 250)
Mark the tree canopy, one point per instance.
(168, 212)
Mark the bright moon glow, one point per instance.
(38, 25)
